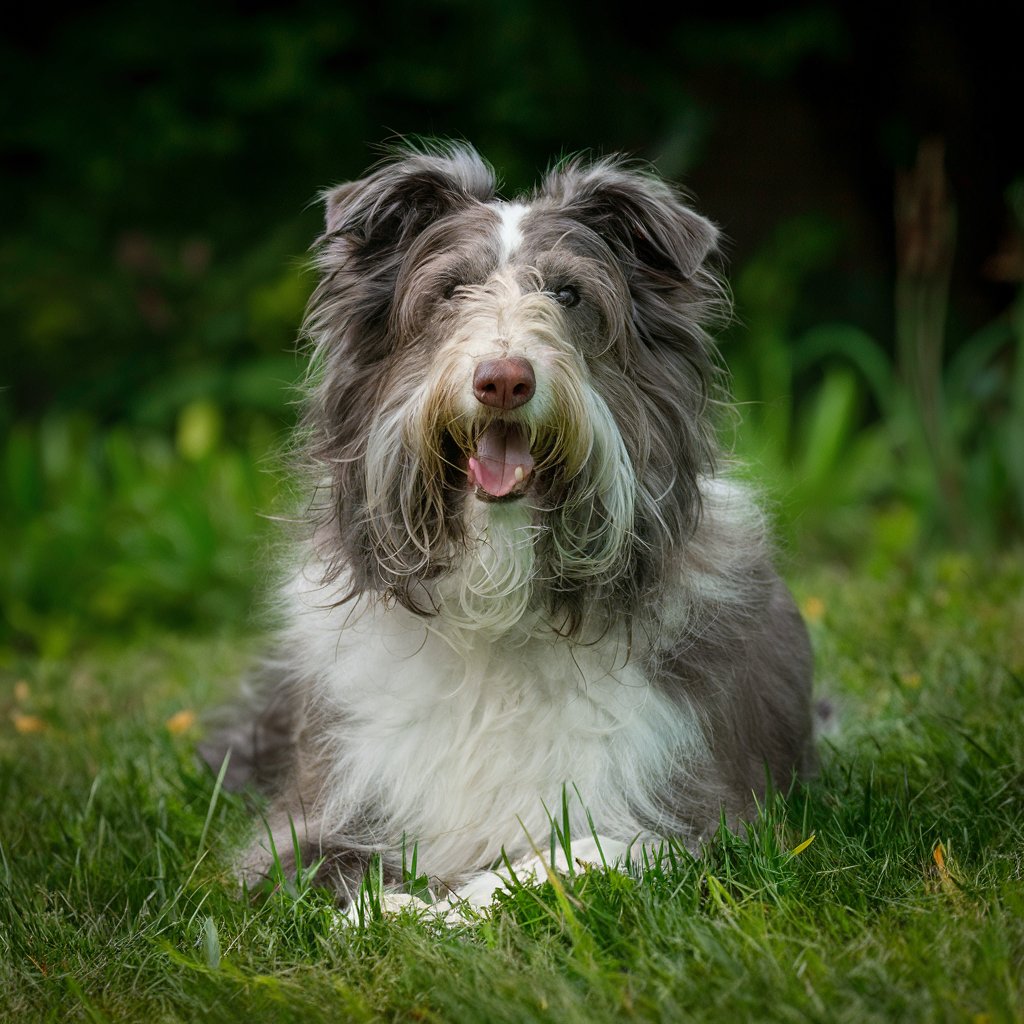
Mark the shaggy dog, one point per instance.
(527, 575)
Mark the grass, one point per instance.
(890, 888)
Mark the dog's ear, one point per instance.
(385, 210)
(642, 219)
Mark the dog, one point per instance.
(528, 572)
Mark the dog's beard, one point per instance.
(484, 544)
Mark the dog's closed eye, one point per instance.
(566, 295)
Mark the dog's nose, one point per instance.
(504, 383)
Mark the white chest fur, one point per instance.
(459, 746)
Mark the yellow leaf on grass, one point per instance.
(21, 691)
(28, 723)
(945, 878)
(803, 846)
(813, 609)
(181, 721)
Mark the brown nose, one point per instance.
(504, 383)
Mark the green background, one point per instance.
(161, 165)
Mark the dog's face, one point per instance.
(538, 367)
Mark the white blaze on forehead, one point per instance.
(510, 235)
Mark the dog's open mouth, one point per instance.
(501, 465)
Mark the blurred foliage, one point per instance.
(111, 532)
(160, 169)
(163, 159)
(845, 433)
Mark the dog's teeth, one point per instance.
(520, 475)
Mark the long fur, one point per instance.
(455, 652)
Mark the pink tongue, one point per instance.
(500, 451)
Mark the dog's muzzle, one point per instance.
(502, 462)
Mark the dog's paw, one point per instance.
(583, 854)
(596, 852)
(477, 893)
(469, 899)
(391, 904)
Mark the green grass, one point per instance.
(116, 903)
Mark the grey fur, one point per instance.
(401, 247)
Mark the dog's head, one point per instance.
(536, 368)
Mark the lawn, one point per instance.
(890, 888)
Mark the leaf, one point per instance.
(826, 428)
(211, 944)
(797, 850)
(27, 724)
(181, 721)
(847, 341)
(946, 880)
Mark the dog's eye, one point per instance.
(449, 290)
(566, 295)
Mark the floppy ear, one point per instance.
(370, 224)
(389, 207)
(642, 219)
